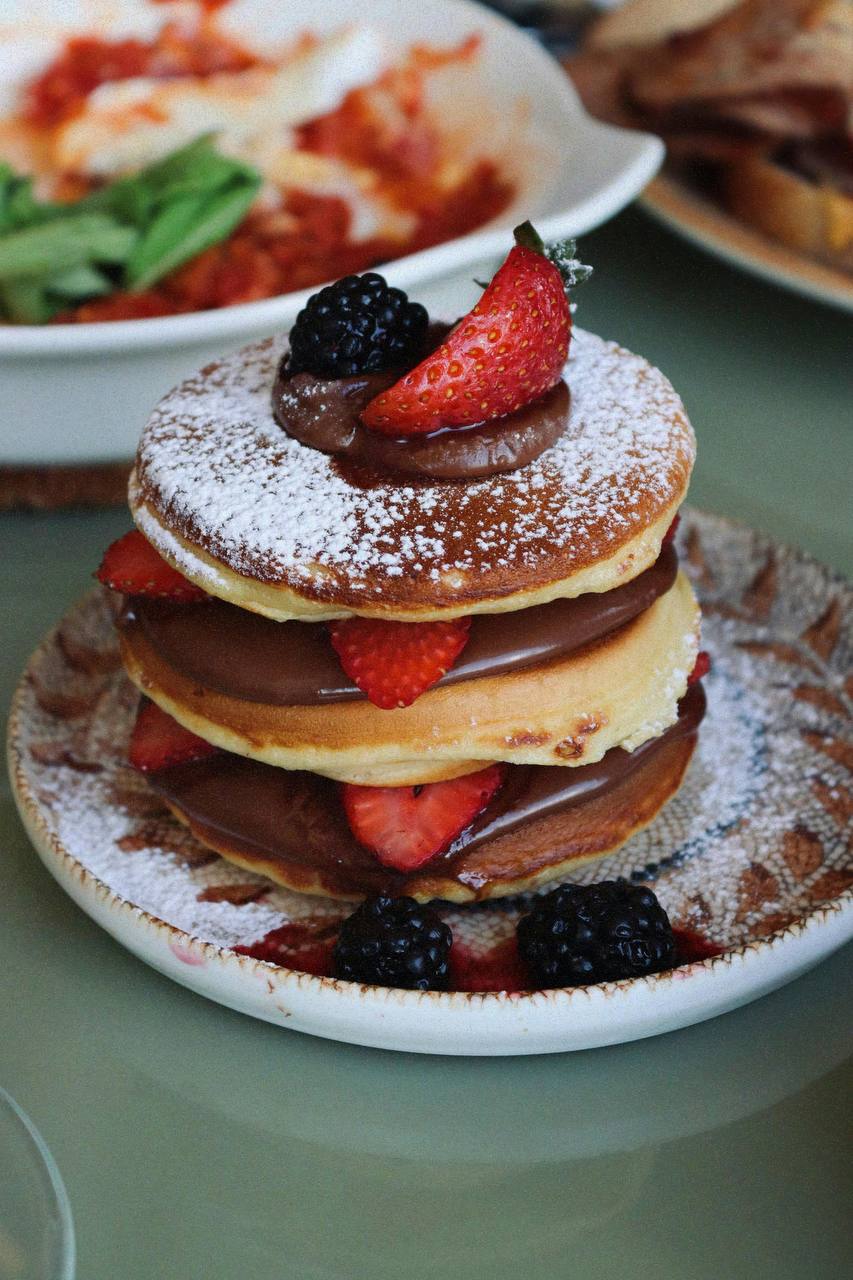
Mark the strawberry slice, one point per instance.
(406, 826)
(671, 531)
(395, 662)
(700, 668)
(158, 741)
(505, 353)
(133, 566)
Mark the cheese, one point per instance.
(127, 124)
(372, 214)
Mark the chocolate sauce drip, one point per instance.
(246, 656)
(271, 814)
(325, 414)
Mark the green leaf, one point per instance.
(114, 245)
(18, 205)
(55, 246)
(129, 200)
(196, 167)
(562, 254)
(157, 244)
(185, 228)
(25, 302)
(79, 283)
(7, 185)
(148, 223)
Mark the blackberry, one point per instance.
(393, 942)
(580, 934)
(358, 325)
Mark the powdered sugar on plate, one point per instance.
(214, 466)
(758, 836)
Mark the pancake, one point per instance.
(291, 827)
(618, 691)
(295, 664)
(277, 528)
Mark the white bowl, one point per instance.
(81, 393)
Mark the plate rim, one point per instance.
(468, 1015)
(677, 205)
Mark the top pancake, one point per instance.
(273, 526)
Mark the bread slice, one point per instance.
(808, 216)
(641, 22)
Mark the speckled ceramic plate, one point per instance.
(753, 854)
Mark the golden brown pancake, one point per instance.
(247, 815)
(594, 737)
(619, 691)
(276, 527)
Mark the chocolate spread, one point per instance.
(325, 414)
(297, 818)
(246, 656)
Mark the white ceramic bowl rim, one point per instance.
(243, 319)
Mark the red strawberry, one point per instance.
(504, 354)
(395, 662)
(406, 826)
(671, 531)
(700, 669)
(158, 741)
(133, 566)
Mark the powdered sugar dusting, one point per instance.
(215, 466)
(758, 835)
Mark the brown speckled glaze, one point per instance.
(755, 847)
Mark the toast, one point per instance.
(758, 100)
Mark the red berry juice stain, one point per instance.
(185, 955)
(499, 969)
(691, 946)
(306, 947)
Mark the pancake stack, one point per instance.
(363, 679)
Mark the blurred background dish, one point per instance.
(699, 219)
(36, 1230)
(754, 99)
(79, 392)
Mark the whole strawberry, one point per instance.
(504, 354)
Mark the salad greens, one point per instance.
(126, 235)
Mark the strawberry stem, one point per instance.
(527, 237)
(560, 252)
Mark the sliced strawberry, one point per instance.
(395, 662)
(158, 741)
(700, 669)
(671, 531)
(505, 353)
(406, 826)
(133, 566)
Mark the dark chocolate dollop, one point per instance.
(325, 414)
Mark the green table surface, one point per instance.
(196, 1143)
